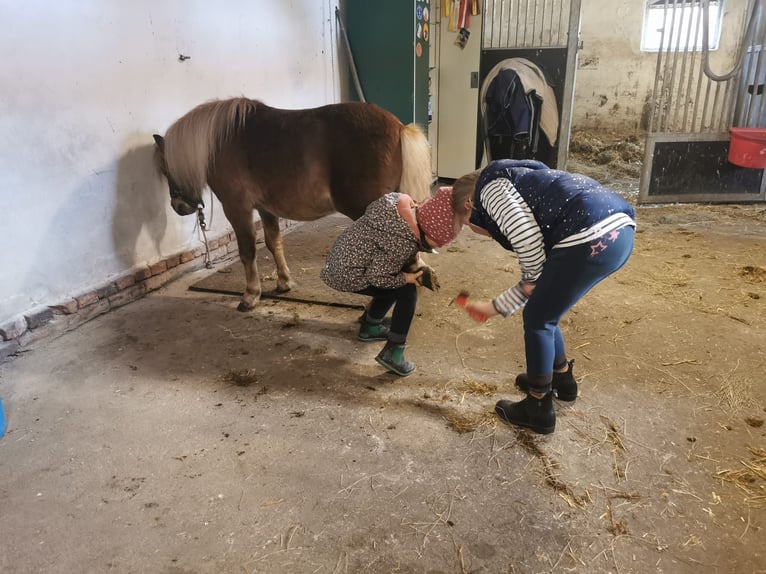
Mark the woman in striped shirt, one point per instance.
(569, 233)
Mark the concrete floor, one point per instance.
(132, 447)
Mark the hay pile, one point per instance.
(751, 479)
(614, 159)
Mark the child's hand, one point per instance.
(429, 279)
(527, 288)
(412, 277)
(479, 311)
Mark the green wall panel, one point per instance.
(392, 69)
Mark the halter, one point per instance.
(176, 193)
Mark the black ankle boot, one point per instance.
(535, 414)
(564, 384)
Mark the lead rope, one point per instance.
(203, 228)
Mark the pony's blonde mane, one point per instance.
(193, 140)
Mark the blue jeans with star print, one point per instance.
(569, 273)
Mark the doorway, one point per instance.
(515, 35)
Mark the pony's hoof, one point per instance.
(245, 307)
(284, 287)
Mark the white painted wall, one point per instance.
(85, 83)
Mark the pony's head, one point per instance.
(183, 201)
(190, 145)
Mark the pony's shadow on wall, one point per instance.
(140, 205)
(81, 226)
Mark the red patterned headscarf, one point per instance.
(436, 217)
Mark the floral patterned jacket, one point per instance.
(372, 251)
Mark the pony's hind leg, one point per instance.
(241, 219)
(275, 244)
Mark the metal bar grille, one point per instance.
(526, 23)
(750, 106)
(686, 99)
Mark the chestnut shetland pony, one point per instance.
(296, 164)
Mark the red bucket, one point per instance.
(748, 147)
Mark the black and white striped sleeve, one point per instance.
(512, 215)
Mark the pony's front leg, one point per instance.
(242, 221)
(274, 242)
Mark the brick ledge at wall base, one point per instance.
(45, 322)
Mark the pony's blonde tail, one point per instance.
(416, 163)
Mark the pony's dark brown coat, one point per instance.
(295, 164)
